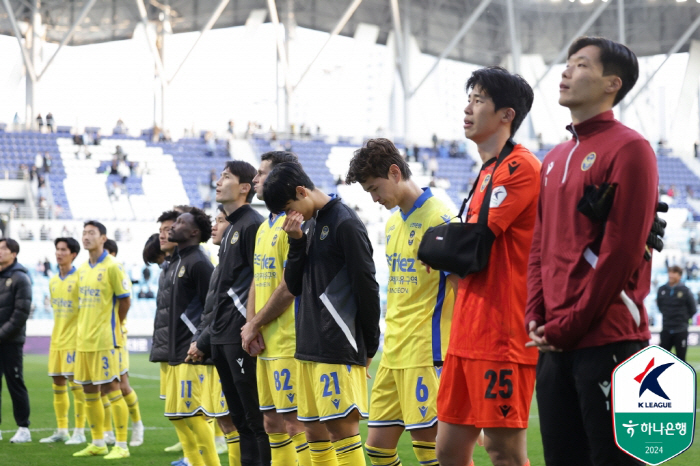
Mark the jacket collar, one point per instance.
(238, 213)
(334, 200)
(184, 252)
(594, 125)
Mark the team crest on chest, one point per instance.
(99, 277)
(324, 232)
(8, 282)
(234, 238)
(680, 294)
(70, 288)
(588, 161)
(485, 183)
(411, 236)
(181, 273)
(274, 240)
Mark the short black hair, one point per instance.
(71, 243)
(151, 250)
(203, 223)
(111, 247)
(616, 58)
(98, 225)
(507, 90)
(677, 269)
(12, 245)
(168, 215)
(279, 156)
(245, 173)
(281, 185)
(374, 159)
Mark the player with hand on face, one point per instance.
(337, 323)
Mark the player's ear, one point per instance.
(301, 191)
(508, 115)
(246, 187)
(394, 172)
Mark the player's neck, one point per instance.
(231, 207)
(588, 110)
(64, 269)
(187, 244)
(95, 255)
(319, 198)
(411, 193)
(490, 148)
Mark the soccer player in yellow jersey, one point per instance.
(271, 316)
(63, 289)
(419, 309)
(105, 297)
(128, 393)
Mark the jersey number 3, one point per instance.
(503, 381)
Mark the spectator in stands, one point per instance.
(119, 153)
(230, 128)
(114, 168)
(97, 139)
(115, 191)
(15, 303)
(677, 305)
(23, 173)
(39, 162)
(123, 171)
(435, 141)
(120, 127)
(210, 141)
(433, 166)
(47, 162)
(47, 265)
(49, 122)
(672, 191)
(40, 122)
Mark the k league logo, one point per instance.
(653, 396)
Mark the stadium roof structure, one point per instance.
(482, 32)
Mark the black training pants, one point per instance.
(677, 339)
(573, 397)
(237, 373)
(11, 359)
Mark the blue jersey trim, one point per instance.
(125, 295)
(114, 321)
(427, 194)
(437, 316)
(72, 270)
(271, 222)
(99, 259)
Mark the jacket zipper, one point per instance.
(176, 268)
(566, 167)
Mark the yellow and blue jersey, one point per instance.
(419, 304)
(271, 248)
(64, 303)
(100, 286)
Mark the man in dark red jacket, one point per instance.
(587, 277)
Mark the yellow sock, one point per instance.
(188, 442)
(120, 412)
(107, 406)
(302, 448)
(233, 441)
(61, 404)
(78, 404)
(349, 451)
(132, 402)
(322, 453)
(281, 450)
(382, 456)
(425, 452)
(205, 439)
(95, 415)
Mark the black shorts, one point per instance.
(573, 396)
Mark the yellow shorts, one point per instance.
(215, 403)
(163, 378)
(404, 397)
(330, 391)
(61, 363)
(123, 359)
(96, 367)
(276, 384)
(185, 391)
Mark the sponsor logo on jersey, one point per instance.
(181, 273)
(588, 161)
(445, 218)
(336, 402)
(324, 232)
(400, 263)
(485, 183)
(264, 262)
(423, 410)
(512, 166)
(415, 225)
(234, 238)
(505, 409)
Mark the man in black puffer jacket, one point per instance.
(15, 303)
